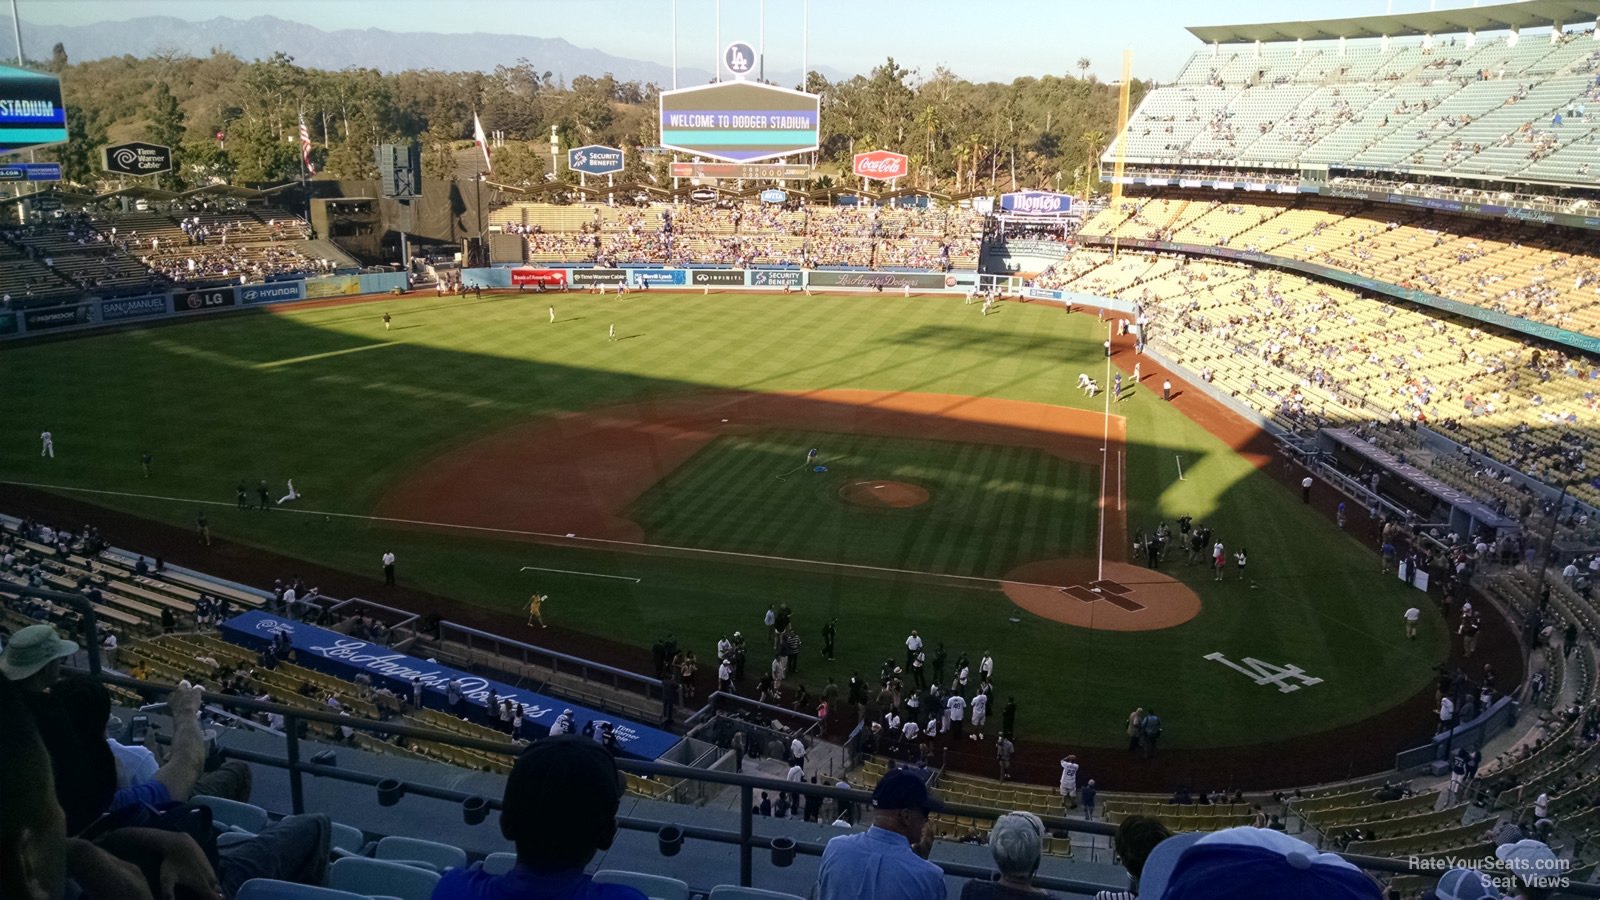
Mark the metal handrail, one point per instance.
(747, 785)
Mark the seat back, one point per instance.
(234, 814)
(441, 856)
(268, 889)
(499, 863)
(734, 892)
(656, 887)
(376, 876)
(348, 838)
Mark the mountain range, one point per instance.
(387, 51)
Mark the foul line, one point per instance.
(315, 356)
(1105, 465)
(973, 581)
(1119, 481)
(574, 572)
(1179, 458)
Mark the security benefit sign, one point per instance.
(594, 160)
(739, 121)
(136, 158)
(31, 111)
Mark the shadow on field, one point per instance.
(414, 399)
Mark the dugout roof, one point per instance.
(1495, 17)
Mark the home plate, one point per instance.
(724, 420)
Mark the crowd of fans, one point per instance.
(742, 235)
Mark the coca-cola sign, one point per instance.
(881, 164)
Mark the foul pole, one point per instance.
(1122, 141)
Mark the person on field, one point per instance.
(47, 444)
(388, 567)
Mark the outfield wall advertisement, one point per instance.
(276, 292)
(338, 286)
(922, 281)
(659, 277)
(200, 301)
(133, 308)
(58, 317)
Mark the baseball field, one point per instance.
(960, 482)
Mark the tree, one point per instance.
(79, 156)
(167, 128)
(1083, 67)
(58, 59)
(258, 155)
(439, 152)
(204, 162)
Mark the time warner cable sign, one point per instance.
(31, 111)
(739, 121)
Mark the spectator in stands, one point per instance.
(1250, 864)
(889, 860)
(1464, 884)
(1135, 840)
(33, 835)
(1535, 868)
(32, 658)
(1017, 842)
(560, 808)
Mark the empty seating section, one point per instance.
(747, 235)
(1490, 109)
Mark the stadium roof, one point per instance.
(1496, 17)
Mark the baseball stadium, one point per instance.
(1238, 485)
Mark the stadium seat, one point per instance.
(348, 839)
(499, 863)
(406, 849)
(656, 887)
(734, 892)
(233, 814)
(268, 889)
(383, 878)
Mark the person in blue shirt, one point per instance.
(560, 808)
(889, 860)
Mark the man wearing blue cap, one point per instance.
(889, 860)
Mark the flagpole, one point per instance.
(674, 44)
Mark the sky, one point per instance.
(999, 40)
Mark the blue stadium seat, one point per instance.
(499, 863)
(267, 889)
(348, 838)
(376, 876)
(734, 892)
(233, 814)
(404, 849)
(656, 887)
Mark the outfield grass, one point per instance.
(730, 497)
(327, 397)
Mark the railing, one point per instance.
(391, 790)
(650, 689)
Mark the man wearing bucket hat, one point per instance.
(1463, 884)
(32, 660)
(889, 860)
(1249, 864)
(1535, 867)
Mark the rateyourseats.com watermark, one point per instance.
(1550, 874)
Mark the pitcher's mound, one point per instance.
(1126, 598)
(883, 494)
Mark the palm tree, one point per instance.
(1083, 67)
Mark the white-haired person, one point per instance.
(1017, 842)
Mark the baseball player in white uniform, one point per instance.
(552, 315)
(292, 495)
(986, 667)
(611, 335)
(957, 705)
(1069, 780)
(980, 715)
(47, 445)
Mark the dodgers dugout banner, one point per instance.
(922, 281)
(344, 657)
(133, 308)
(275, 292)
(200, 301)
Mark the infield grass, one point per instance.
(271, 396)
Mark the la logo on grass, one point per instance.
(1267, 673)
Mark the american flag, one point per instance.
(305, 146)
